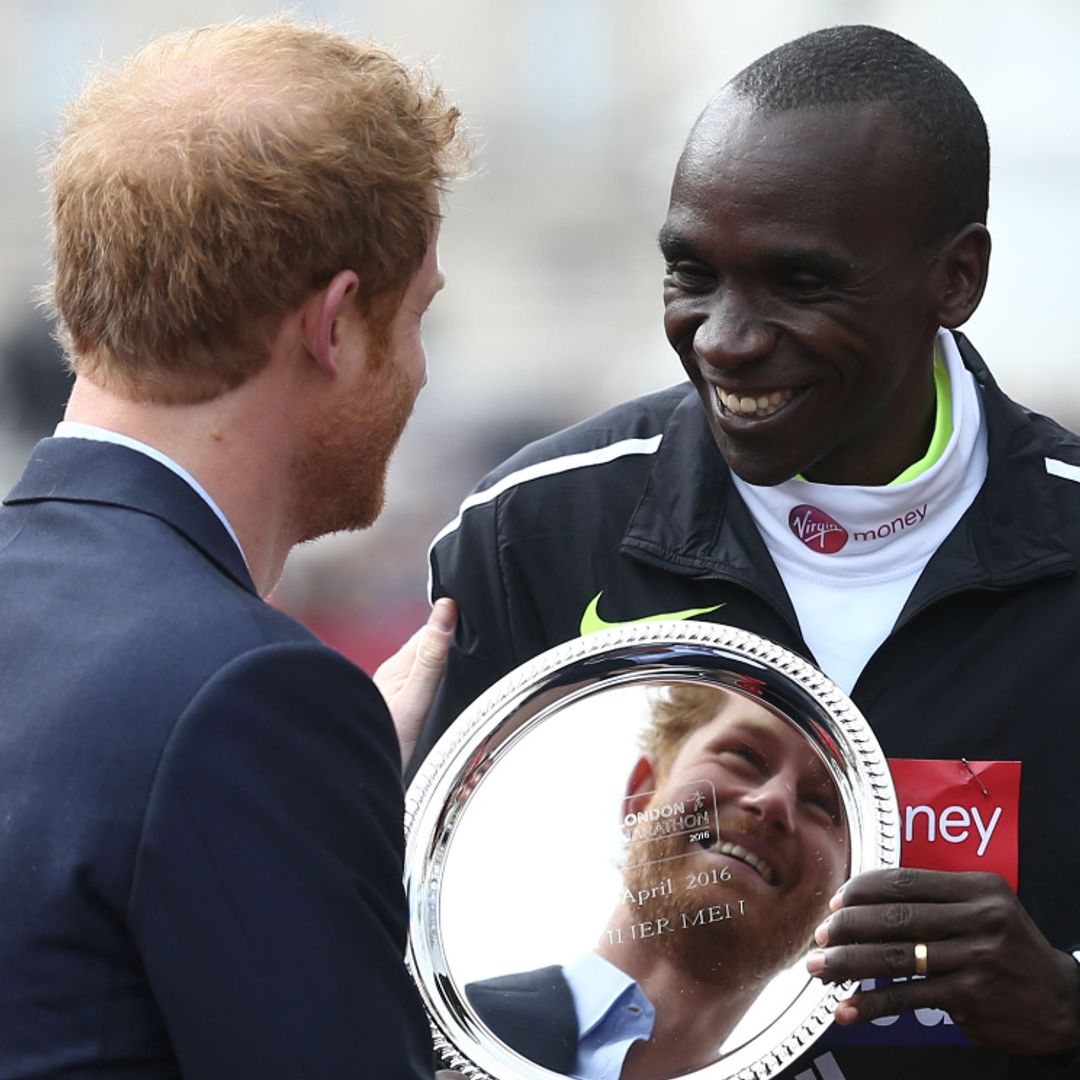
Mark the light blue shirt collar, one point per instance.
(612, 1013)
(73, 429)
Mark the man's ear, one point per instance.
(641, 784)
(960, 275)
(324, 320)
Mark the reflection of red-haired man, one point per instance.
(712, 907)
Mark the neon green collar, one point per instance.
(942, 426)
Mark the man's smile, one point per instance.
(753, 405)
(732, 852)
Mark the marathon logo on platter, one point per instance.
(669, 828)
(821, 532)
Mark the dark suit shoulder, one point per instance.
(204, 801)
(533, 1013)
(267, 895)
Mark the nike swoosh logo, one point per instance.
(591, 621)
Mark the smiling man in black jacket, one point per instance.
(843, 476)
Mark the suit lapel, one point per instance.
(83, 470)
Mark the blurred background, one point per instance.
(578, 109)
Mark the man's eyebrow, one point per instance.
(817, 261)
(763, 730)
(670, 242)
(749, 727)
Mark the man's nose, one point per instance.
(733, 331)
(773, 800)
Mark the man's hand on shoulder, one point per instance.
(408, 679)
(986, 963)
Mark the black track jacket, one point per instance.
(637, 506)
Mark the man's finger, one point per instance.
(906, 884)
(436, 636)
(409, 679)
(891, 960)
(897, 998)
(422, 658)
(896, 922)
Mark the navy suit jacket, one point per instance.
(533, 1013)
(200, 804)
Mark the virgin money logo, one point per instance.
(817, 530)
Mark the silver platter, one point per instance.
(543, 833)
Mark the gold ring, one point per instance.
(920, 959)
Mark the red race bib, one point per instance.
(957, 815)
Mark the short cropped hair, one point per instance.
(675, 713)
(847, 65)
(210, 182)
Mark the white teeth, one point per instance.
(762, 406)
(748, 857)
